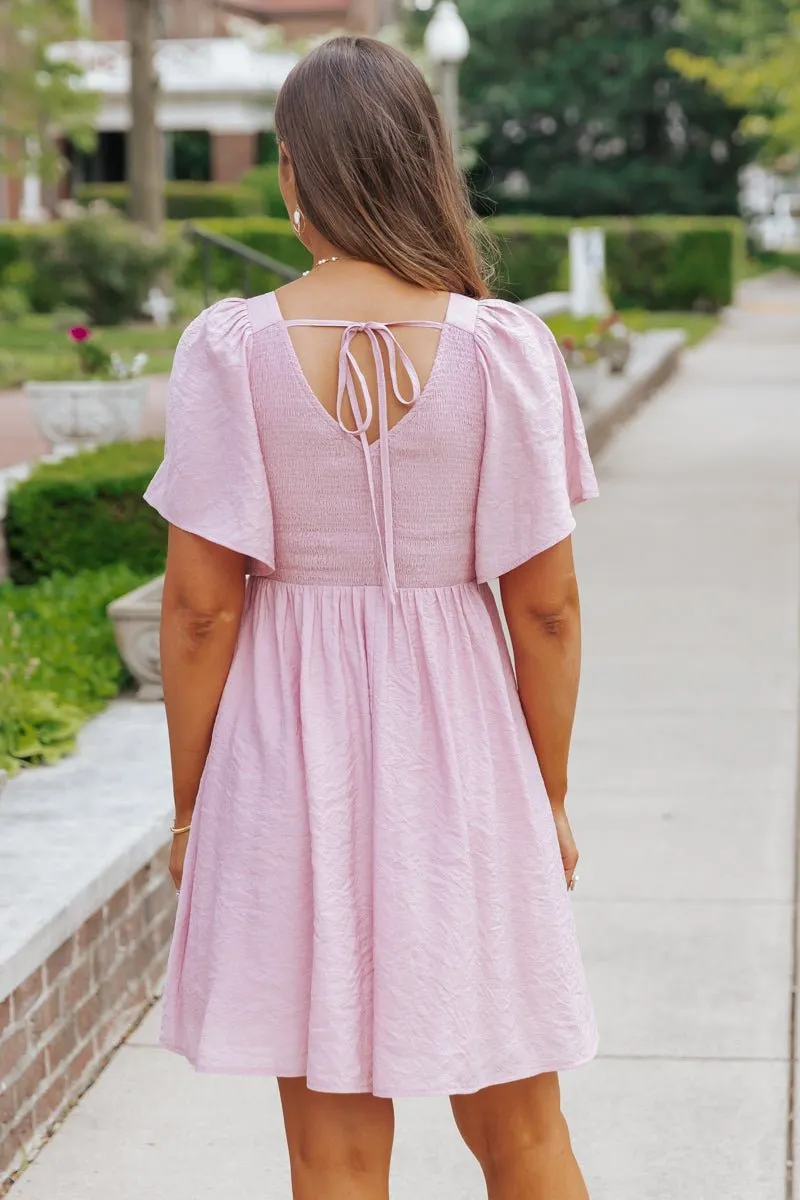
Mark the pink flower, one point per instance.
(80, 334)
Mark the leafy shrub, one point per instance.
(777, 260)
(100, 263)
(654, 262)
(16, 247)
(658, 263)
(263, 185)
(34, 727)
(13, 305)
(690, 269)
(531, 262)
(58, 662)
(85, 513)
(185, 201)
(228, 275)
(66, 318)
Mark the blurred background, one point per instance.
(638, 162)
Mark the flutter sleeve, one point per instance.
(536, 462)
(213, 481)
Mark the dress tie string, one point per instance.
(353, 385)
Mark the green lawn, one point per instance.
(34, 349)
(696, 325)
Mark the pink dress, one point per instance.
(373, 894)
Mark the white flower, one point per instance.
(139, 363)
(118, 367)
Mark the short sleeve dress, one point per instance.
(373, 895)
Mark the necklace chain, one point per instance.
(322, 262)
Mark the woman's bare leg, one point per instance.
(340, 1146)
(520, 1138)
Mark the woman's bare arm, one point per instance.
(201, 614)
(542, 609)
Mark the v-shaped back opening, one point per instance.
(367, 407)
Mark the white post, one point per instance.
(450, 104)
(587, 272)
(32, 211)
(447, 47)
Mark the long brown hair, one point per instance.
(374, 167)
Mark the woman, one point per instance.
(373, 866)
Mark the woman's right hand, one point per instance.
(177, 856)
(566, 842)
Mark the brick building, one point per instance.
(218, 88)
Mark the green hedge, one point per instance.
(85, 513)
(777, 260)
(264, 185)
(58, 660)
(185, 201)
(267, 234)
(657, 263)
(654, 263)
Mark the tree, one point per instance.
(755, 65)
(41, 91)
(146, 153)
(579, 113)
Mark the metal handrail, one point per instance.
(249, 257)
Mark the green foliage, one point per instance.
(13, 305)
(656, 263)
(776, 260)
(37, 346)
(186, 201)
(754, 65)
(696, 326)
(85, 513)
(263, 186)
(54, 278)
(228, 274)
(653, 262)
(18, 244)
(574, 103)
(58, 662)
(534, 255)
(40, 94)
(100, 263)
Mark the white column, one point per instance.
(587, 272)
(32, 211)
(450, 103)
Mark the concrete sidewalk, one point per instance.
(684, 793)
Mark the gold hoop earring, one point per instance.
(298, 221)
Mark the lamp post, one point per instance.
(447, 46)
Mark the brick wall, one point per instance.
(232, 155)
(58, 1026)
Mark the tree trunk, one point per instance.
(146, 150)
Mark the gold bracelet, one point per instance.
(185, 829)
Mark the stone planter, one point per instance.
(586, 379)
(88, 412)
(136, 619)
